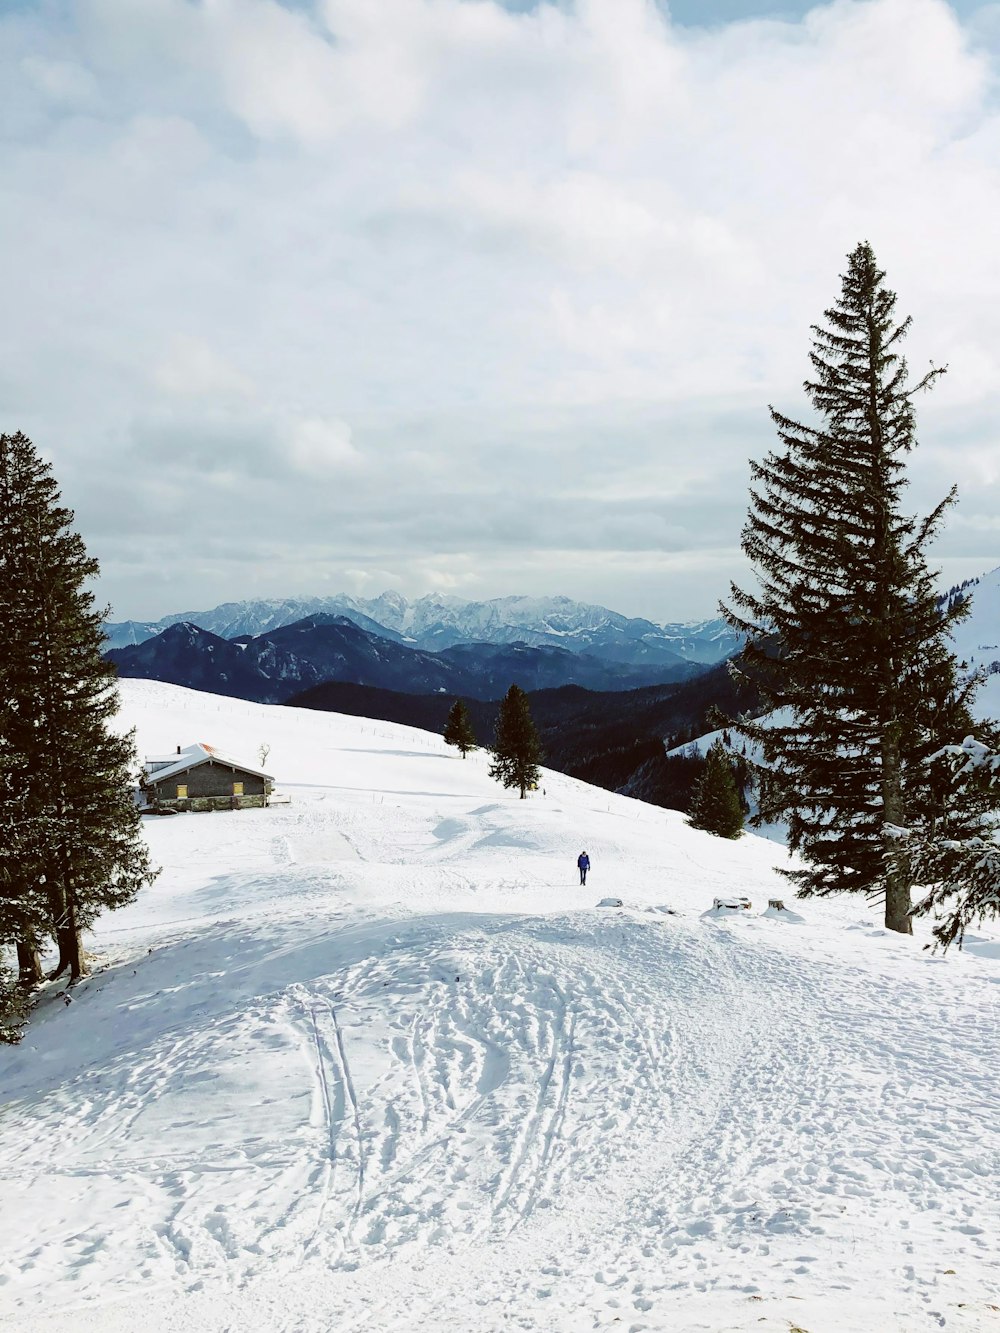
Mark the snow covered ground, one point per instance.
(374, 1060)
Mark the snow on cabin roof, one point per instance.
(168, 766)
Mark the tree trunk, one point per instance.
(29, 965)
(897, 902)
(897, 880)
(884, 556)
(62, 963)
(70, 945)
(70, 954)
(77, 960)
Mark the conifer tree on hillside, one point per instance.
(846, 634)
(716, 806)
(22, 917)
(65, 777)
(957, 857)
(24, 912)
(13, 1005)
(458, 729)
(516, 748)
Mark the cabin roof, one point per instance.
(159, 767)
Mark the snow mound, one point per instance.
(783, 914)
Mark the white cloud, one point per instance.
(191, 369)
(573, 251)
(63, 83)
(320, 447)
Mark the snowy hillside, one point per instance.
(374, 1060)
(977, 640)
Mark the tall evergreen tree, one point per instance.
(716, 806)
(458, 729)
(846, 636)
(65, 777)
(516, 748)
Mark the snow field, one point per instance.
(374, 1060)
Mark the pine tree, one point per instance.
(13, 1005)
(22, 916)
(516, 748)
(65, 777)
(716, 806)
(846, 635)
(458, 729)
(957, 857)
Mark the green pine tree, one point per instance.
(716, 806)
(458, 729)
(956, 857)
(24, 914)
(845, 635)
(516, 748)
(22, 917)
(13, 1005)
(65, 776)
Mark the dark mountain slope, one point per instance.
(269, 667)
(187, 655)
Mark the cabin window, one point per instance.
(182, 791)
(237, 788)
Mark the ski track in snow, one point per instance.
(368, 1063)
(518, 1068)
(487, 1079)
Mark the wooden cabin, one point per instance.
(200, 777)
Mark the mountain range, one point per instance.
(439, 621)
(272, 666)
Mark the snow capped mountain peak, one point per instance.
(389, 608)
(441, 620)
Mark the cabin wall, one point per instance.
(210, 787)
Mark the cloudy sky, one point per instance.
(314, 296)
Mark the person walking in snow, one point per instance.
(583, 865)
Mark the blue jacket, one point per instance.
(583, 861)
